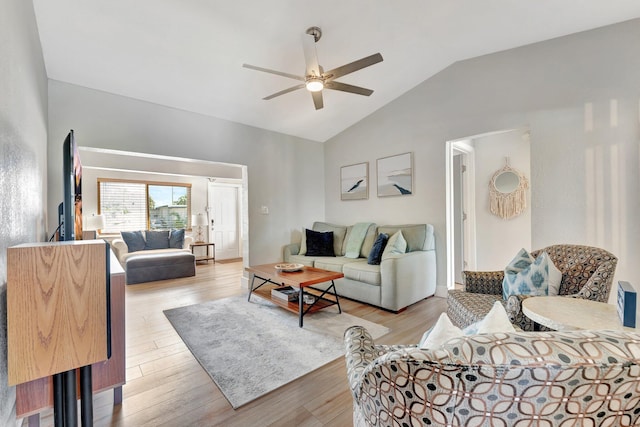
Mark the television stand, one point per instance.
(35, 396)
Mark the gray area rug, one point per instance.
(252, 348)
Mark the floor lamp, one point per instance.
(200, 221)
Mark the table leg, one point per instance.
(33, 420)
(300, 305)
(117, 395)
(335, 294)
(253, 278)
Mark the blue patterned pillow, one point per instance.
(532, 279)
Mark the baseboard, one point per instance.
(441, 291)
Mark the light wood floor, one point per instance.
(167, 387)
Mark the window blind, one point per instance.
(124, 205)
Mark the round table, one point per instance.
(565, 314)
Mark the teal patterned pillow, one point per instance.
(520, 262)
(525, 276)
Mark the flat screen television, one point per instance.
(71, 215)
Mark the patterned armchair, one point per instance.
(505, 379)
(587, 272)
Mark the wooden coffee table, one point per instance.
(303, 280)
(565, 314)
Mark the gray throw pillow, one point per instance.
(176, 238)
(134, 240)
(156, 240)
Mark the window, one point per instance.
(140, 205)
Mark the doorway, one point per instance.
(461, 233)
(471, 227)
(225, 206)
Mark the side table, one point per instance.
(567, 314)
(210, 254)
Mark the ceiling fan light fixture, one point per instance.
(314, 84)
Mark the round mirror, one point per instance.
(507, 182)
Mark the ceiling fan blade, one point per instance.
(353, 66)
(310, 55)
(317, 99)
(348, 88)
(282, 92)
(278, 73)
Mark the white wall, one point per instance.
(498, 240)
(284, 173)
(23, 139)
(584, 154)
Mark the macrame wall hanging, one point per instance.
(508, 192)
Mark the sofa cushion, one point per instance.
(156, 239)
(418, 236)
(362, 272)
(176, 239)
(396, 245)
(332, 263)
(307, 261)
(134, 240)
(319, 243)
(376, 251)
(339, 233)
(155, 265)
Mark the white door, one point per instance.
(224, 205)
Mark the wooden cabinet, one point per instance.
(35, 396)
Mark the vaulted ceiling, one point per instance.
(188, 54)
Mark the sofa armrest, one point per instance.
(598, 286)
(407, 278)
(360, 352)
(188, 240)
(483, 282)
(516, 316)
(120, 248)
(290, 249)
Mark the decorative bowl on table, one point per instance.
(289, 267)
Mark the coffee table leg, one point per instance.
(335, 294)
(300, 305)
(253, 278)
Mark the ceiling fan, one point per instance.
(315, 78)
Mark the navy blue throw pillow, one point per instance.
(176, 239)
(378, 247)
(319, 243)
(156, 239)
(134, 240)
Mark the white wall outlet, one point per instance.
(264, 210)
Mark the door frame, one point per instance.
(460, 147)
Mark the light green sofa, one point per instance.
(399, 281)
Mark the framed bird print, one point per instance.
(354, 182)
(395, 175)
